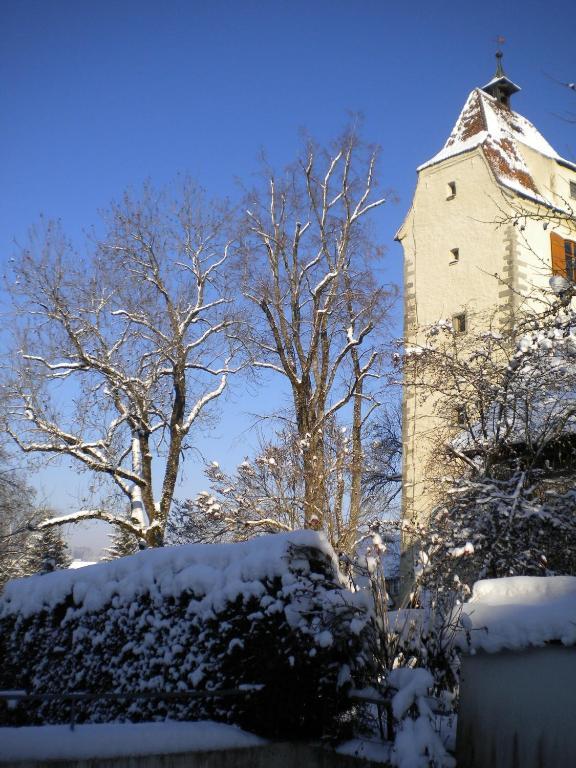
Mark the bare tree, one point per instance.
(383, 476)
(266, 494)
(308, 276)
(569, 117)
(121, 350)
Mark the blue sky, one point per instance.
(98, 96)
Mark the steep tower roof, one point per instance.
(487, 122)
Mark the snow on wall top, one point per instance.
(519, 612)
(215, 573)
(97, 741)
(484, 122)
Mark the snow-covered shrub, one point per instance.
(421, 634)
(417, 743)
(417, 668)
(419, 677)
(493, 527)
(270, 615)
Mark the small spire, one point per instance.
(499, 68)
(500, 87)
(499, 54)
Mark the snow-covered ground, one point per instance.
(50, 742)
(376, 751)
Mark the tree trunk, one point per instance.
(136, 501)
(356, 470)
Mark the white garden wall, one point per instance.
(518, 709)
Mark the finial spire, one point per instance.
(499, 54)
(500, 87)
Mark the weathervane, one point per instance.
(499, 42)
(500, 87)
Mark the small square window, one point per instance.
(459, 322)
(451, 190)
(573, 189)
(455, 253)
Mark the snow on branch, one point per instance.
(201, 403)
(90, 514)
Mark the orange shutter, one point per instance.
(558, 255)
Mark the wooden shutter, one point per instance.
(558, 255)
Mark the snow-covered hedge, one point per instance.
(271, 614)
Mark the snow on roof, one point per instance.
(487, 124)
(519, 612)
(215, 573)
(502, 79)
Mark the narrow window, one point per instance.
(460, 417)
(459, 322)
(455, 252)
(451, 190)
(573, 189)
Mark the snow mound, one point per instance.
(216, 573)
(375, 751)
(519, 612)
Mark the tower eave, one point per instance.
(504, 84)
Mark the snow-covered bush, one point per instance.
(266, 492)
(417, 744)
(417, 667)
(492, 527)
(271, 616)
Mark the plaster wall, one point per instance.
(438, 286)
(439, 222)
(552, 178)
(533, 237)
(500, 271)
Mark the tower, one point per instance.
(464, 258)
